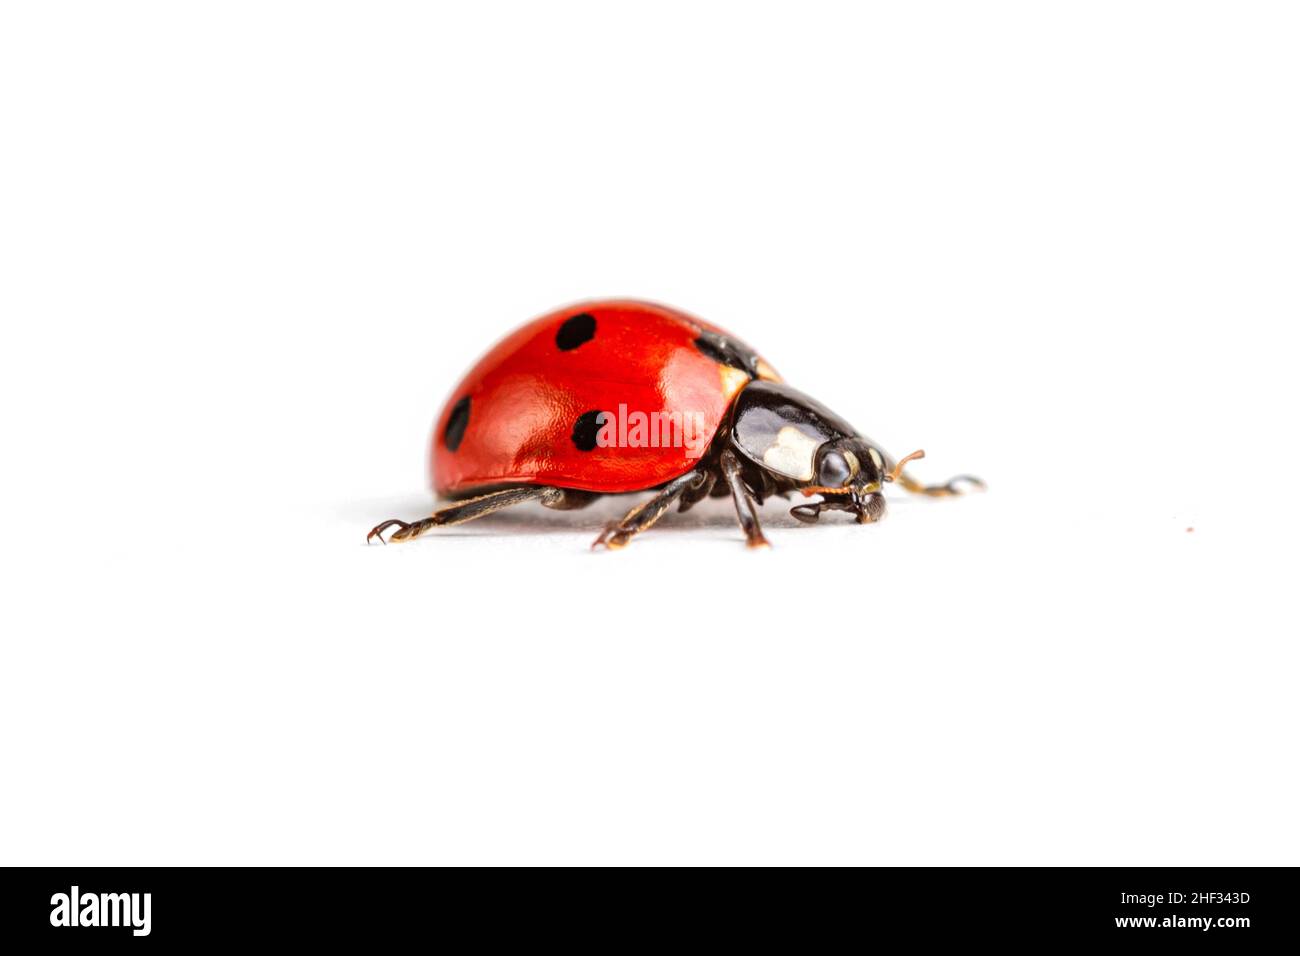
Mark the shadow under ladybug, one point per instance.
(768, 439)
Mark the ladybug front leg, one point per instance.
(644, 515)
(465, 511)
(809, 514)
(746, 510)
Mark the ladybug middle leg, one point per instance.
(647, 513)
(470, 509)
(746, 512)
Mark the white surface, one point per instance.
(248, 250)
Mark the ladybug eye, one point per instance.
(834, 470)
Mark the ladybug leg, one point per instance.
(569, 499)
(378, 530)
(644, 515)
(746, 511)
(464, 511)
(693, 496)
(808, 514)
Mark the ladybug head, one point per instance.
(851, 472)
(801, 442)
(850, 465)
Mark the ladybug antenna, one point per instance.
(898, 468)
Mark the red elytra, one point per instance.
(517, 407)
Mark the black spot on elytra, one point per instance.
(575, 331)
(585, 429)
(456, 422)
(726, 352)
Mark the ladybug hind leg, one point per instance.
(694, 495)
(644, 515)
(468, 510)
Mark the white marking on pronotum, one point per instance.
(792, 453)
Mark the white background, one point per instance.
(247, 250)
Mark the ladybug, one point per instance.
(618, 396)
